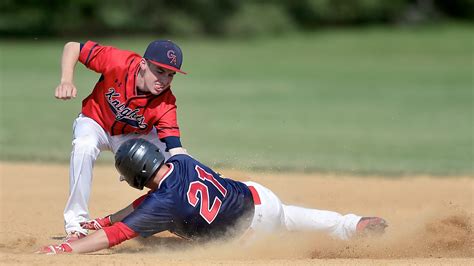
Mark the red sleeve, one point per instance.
(167, 126)
(138, 201)
(102, 58)
(118, 232)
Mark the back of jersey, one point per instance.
(206, 204)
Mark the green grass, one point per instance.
(362, 101)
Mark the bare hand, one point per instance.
(65, 91)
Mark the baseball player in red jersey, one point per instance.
(131, 99)
(191, 200)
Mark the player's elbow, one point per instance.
(72, 46)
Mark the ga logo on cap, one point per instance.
(172, 56)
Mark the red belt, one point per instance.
(255, 196)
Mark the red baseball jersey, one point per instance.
(115, 104)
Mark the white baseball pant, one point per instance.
(89, 139)
(272, 215)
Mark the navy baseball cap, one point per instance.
(165, 54)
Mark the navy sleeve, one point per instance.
(172, 142)
(152, 216)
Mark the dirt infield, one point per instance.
(430, 221)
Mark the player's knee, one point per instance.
(86, 144)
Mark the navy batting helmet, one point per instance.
(137, 160)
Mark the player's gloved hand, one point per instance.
(55, 249)
(65, 90)
(97, 223)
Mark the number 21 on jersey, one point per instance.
(207, 211)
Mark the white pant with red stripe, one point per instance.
(272, 215)
(89, 139)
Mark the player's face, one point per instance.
(157, 79)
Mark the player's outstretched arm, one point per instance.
(120, 215)
(92, 242)
(66, 88)
(99, 223)
(102, 239)
(110, 232)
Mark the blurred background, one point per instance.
(359, 87)
(222, 18)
